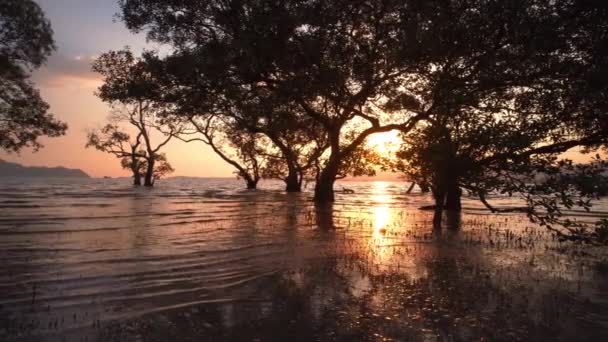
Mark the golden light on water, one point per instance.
(381, 210)
(381, 218)
(387, 228)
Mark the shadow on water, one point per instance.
(269, 266)
(324, 214)
(448, 219)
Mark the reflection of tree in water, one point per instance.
(462, 296)
(442, 289)
(324, 214)
(319, 303)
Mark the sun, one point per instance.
(385, 143)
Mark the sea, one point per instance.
(202, 259)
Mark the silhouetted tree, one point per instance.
(296, 142)
(111, 139)
(130, 87)
(26, 40)
(242, 150)
(361, 162)
(473, 156)
(501, 86)
(509, 100)
(289, 142)
(140, 166)
(338, 61)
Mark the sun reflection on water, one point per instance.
(381, 215)
(381, 219)
(380, 209)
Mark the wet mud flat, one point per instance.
(271, 267)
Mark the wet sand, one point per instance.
(201, 260)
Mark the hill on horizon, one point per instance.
(8, 169)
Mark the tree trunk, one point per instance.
(324, 188)
(424, 187)
(453, 204)
(252, 184)
(453, 197)
(292, 181)
(135, 169)
(439, 194)
(453, 193)
(149, 178)
(447, 196)
(409, 190)
(136, 178)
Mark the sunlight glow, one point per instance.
(382, 218)
(381, 210)
(385, 143)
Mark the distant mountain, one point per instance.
(8, 169)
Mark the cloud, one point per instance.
(61, 68)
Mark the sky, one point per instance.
(83, 29)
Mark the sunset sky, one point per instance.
(83, 30)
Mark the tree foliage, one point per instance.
(338, 61)
(509, 101)
(295, 142)
(244, 151)
(136, 97)
(139, 166)
(26, 40)
(132, 153)
(487, 93)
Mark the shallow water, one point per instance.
(201, 259)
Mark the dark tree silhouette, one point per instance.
(242, 150)
(139, 167)
(129, 86)
(338, 61)
(133, 156)
(363, 161)
(288, 143)
(492, 90)
(111, 139)
(509, 101)
(297, 143)
(26, 40)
